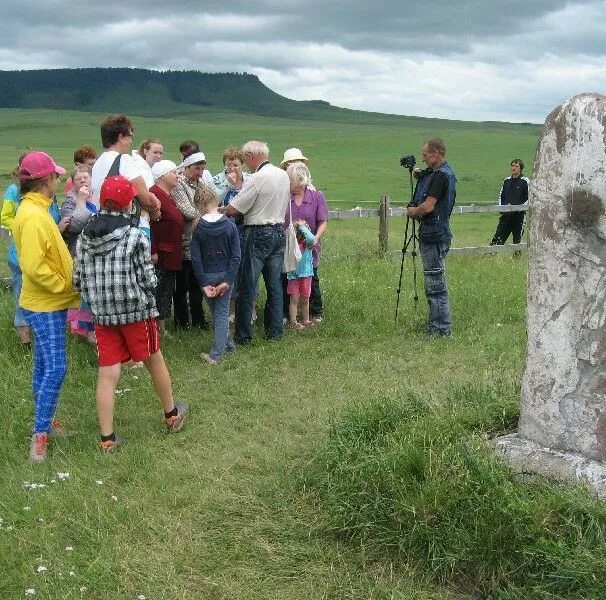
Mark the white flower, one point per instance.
(114, 498)
(140, 597)
(40, 520)
(30, 592)
(26, 508)
(41, 569)
(62, 476)
(99, 482)
(69, 548)
(135, 377)
(33, 486)
(72, 574)
(53, 481)
(82, 589)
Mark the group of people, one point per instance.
(138, 234)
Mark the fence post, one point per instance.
(383, 225)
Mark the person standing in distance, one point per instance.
(514, 190)
(262, 200)
(433, 200)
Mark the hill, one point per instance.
(153, 93)
(172, 94)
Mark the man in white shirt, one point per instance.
(262, 200)
(117, 134)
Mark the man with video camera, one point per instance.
(432, 203)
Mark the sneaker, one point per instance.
(207, 358)
(111, 445)
(59, 430)
(176, 423)
(38, 447)
(317, 319)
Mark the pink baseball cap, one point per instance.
(36, 165)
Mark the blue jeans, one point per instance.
(17, 278)
(50, 364)
(219, 309)
(262, 253)
(433, 255)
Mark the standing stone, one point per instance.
(562, 428)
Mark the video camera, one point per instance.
(408, 161)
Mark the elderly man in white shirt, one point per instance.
(262, 201)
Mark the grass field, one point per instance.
(222, 510)
(352, 164)
(241, 504)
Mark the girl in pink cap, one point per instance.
(47, 290)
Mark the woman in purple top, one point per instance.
(309, 205)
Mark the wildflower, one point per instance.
(41, 569)
(69, 548)
(30, 592)
(62, 476)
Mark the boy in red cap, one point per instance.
(113, 269)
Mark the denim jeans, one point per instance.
(219, 309)
(433, 255)
(262, 253)
(17, 277)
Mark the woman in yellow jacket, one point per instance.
(47, 290)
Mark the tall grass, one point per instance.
(410, 478)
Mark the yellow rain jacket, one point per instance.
(43, 257)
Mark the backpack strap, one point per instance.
(115, 168)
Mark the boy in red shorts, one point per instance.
(113, 269)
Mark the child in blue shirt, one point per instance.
(299, 281)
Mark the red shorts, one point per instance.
(299, 287)
(121, 343)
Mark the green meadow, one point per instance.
(354, 164)
(346, 461)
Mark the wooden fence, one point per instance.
(385, 211)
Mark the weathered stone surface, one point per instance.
(525, 456)
(564, 384)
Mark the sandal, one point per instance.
(297, 325)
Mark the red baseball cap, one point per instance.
(116, 193)
(36, 165)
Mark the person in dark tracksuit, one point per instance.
(513, 191)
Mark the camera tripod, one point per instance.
(409, 241)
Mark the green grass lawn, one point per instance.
(221, 510)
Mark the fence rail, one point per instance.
(357, 213)
(385, 211)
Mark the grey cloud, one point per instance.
(385, 56)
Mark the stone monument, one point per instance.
(562, 428)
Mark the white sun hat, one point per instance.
(292, 155)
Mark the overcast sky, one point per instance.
(466, 59)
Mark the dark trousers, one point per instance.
(315, 300)
(509, 223)
(188, 299)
